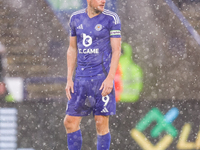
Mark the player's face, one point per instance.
(98, 5)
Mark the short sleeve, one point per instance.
(72, 26)
(115, 29)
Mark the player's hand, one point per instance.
(107, 86)
(69, 88)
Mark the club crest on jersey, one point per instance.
(98, 27)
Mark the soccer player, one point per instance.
(95, 46)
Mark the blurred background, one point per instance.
(157, 82)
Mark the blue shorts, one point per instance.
(87, 98)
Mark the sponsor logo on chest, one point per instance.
(87, 41)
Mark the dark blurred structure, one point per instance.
(29, 31)
(181, 3)
(3, 91)
(2, 51)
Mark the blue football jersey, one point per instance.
(93, 41)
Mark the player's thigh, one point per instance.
(102, 124)
(72, 121)
(102, 120)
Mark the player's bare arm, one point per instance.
(107, 85)
(71, 63)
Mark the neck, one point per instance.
(92, 12)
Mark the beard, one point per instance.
(96, 9)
